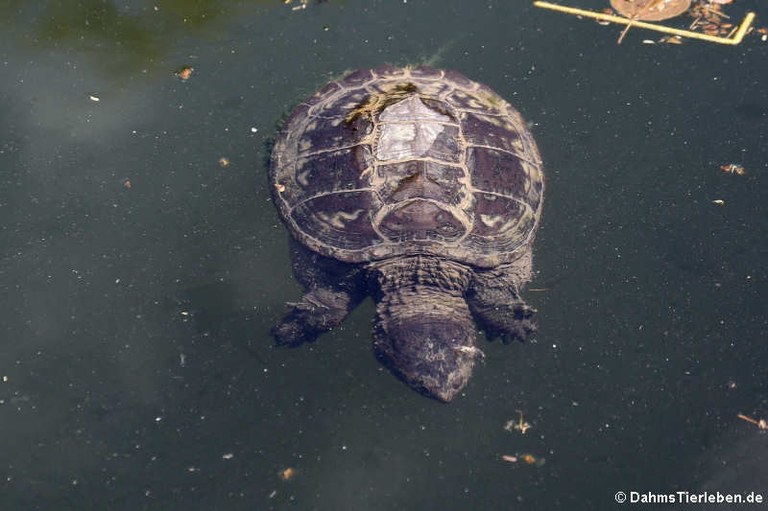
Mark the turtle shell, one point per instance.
(391, 162)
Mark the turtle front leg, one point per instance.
(494, 299)
(320, 310)
(333, 289)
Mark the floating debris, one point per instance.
(301, 5)
(528, 459)
(709, 19)
(223, 161)
(762, 424)
(671, 39)
(517, 425)
(287, 474)
(719, 202)
(648, 10)
(638, 10)
(733, 168)
(184, 73)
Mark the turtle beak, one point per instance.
(432, 354)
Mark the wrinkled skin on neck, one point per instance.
(423, 331)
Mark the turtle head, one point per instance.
(430, 346)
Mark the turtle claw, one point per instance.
(288, 333)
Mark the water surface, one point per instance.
(140, 275)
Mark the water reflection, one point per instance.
(127, 36)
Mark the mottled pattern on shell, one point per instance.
(391, 162)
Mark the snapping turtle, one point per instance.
(422, 189)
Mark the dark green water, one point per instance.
(137, 369)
